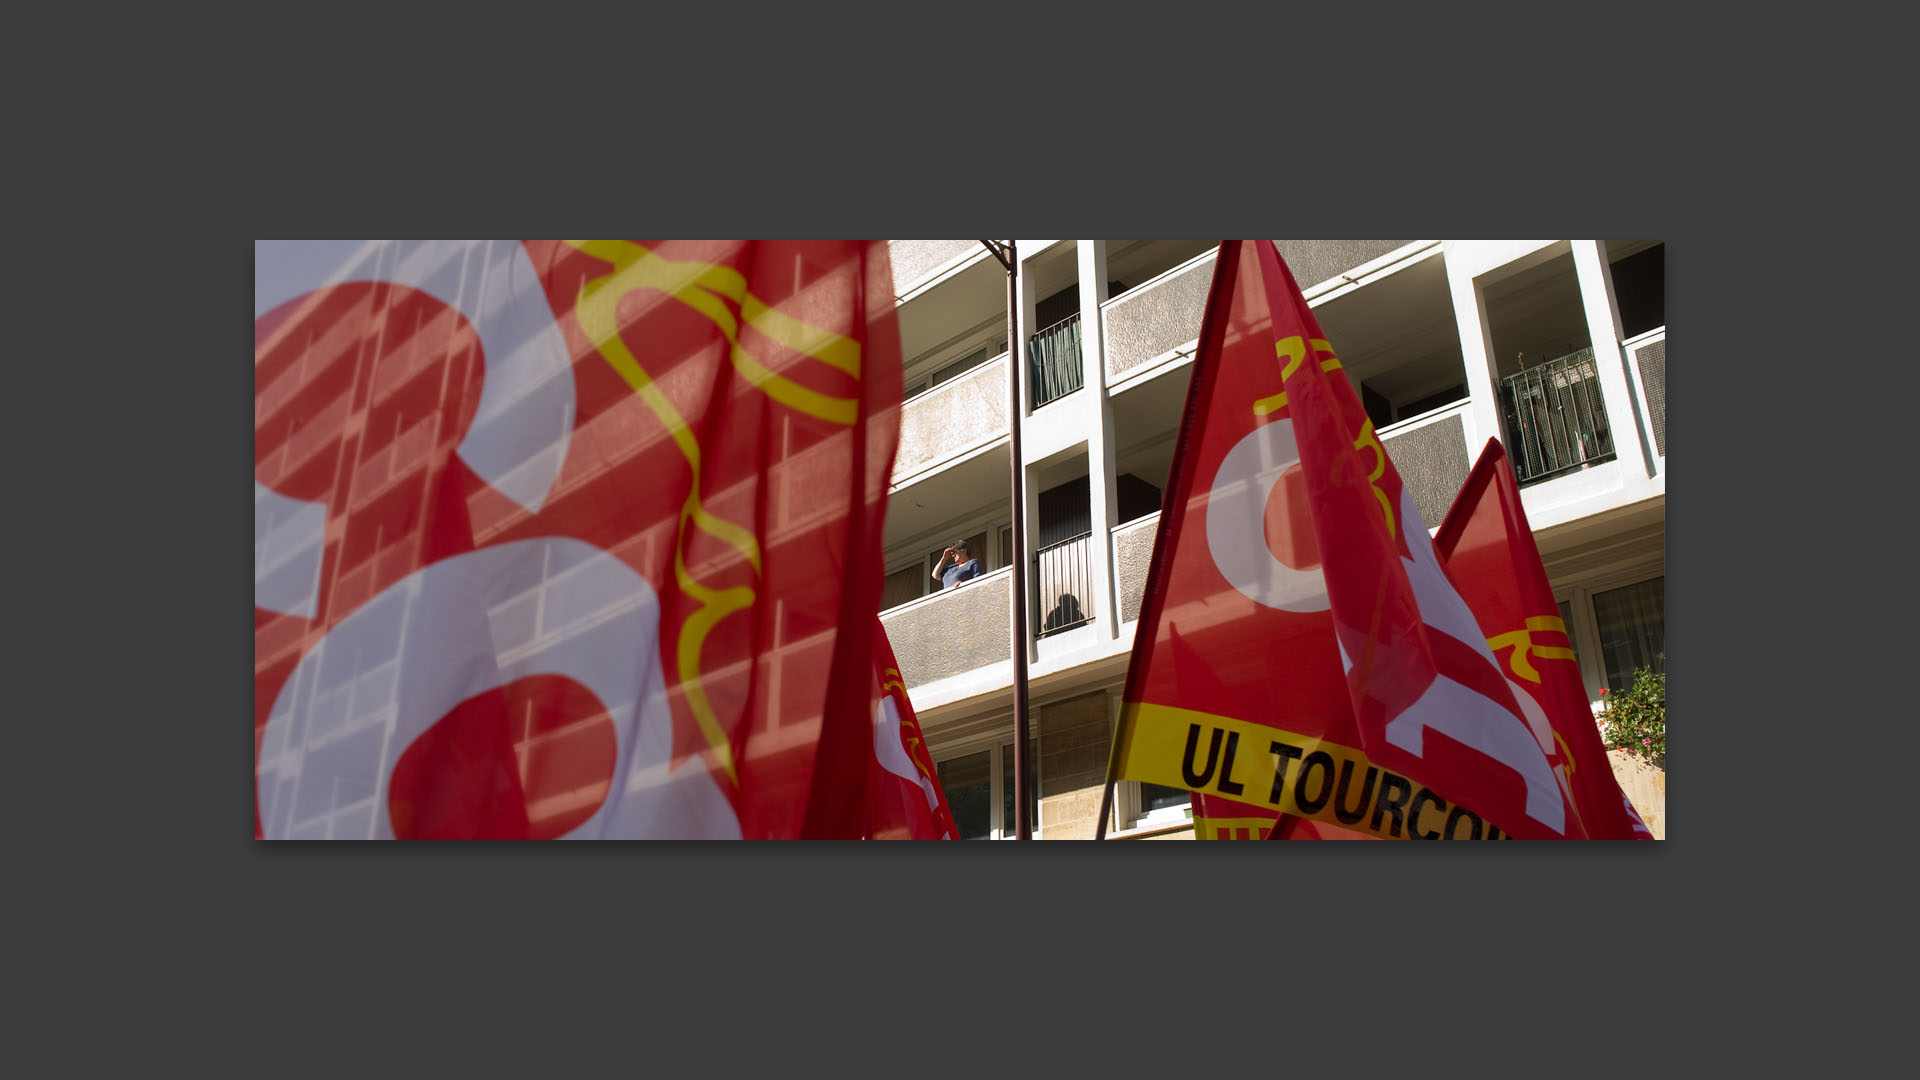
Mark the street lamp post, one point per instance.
(1022, 769)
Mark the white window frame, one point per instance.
(1128, 817)
(1000, 747)
(920, 370)
(994, 557)
(1585, 630)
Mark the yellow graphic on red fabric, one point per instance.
(703, 286)
(1239, 828)
(1368, 440)
(909, 724)
(1293, 350)
(1520, 662)
(1524, 646)
(1285, 771)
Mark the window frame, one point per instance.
(992, 556)
(1585, 631)
(999, 762)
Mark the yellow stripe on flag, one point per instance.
(1282, 770)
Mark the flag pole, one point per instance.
(1022, 779)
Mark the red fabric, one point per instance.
(1489, 552)
(1299, 828)
(1429, 700)
(364, 391)
(1203, 642)
(911, 806)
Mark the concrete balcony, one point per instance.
(952, 419)
(1636, 475)
(915, 263)
(954, 632)
(1132, 555)
(1157, 320)
(1648, 364)
(1431, 455)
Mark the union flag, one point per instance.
(1491, 556)
(1429, 699)
(904, 799)
(568, 539)
(1236, 690)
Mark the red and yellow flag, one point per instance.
(904, 799)
(1429, 699)
(1236, 689)
(568, 538)
(1490, 555)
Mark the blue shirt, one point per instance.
(954, 575)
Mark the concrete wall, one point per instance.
(914, 261)
(1432, 461)
(1150, 321)
(1645, 787)
(952, 631)
(953, 418)
(1074, 744)
(1132, 557)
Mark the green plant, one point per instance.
(1635, 720)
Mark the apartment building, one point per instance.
(1556, 347)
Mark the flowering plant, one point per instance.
(1635, 720)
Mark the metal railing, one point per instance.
(1556, 420)
(1063, 593)
(1053, 361)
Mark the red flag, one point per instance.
(568, 539)
(1429, 699)
(1235, 690)
(1489, 552)
(904, 798)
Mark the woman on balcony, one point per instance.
(964, 565)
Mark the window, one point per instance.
(979, 789)
(1566, 621)
(915, 580)
(968, 784)
(1633, 630)
(1616, 623)
(1154, 797)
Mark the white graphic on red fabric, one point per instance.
(520, 433)
(1450, 707)
(287, 538)
(1542, 728)
(1238, 505)
(451, 631)
(384, 673)
(890, 749)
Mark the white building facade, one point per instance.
(1556, 347)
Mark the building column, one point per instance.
(1102, 464)
(1631, 443)
(1481, 419)
(1030, 511)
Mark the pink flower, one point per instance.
(1646, 742)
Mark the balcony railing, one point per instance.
(1053, 361)
(1556, 421)
(1063, 593)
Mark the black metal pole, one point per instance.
(1022, 775)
